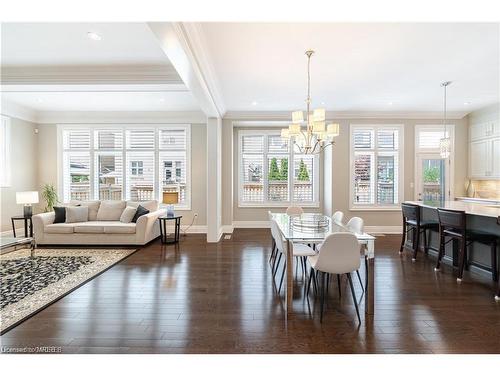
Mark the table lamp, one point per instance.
(170, 198)
(27, 198)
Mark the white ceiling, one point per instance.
(68, 44)
(104, 101)
(357, 67)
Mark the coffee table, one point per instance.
(12, 243)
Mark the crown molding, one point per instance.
(12, 109)
(90, 74)
(120, 117)
(336, 115)
(177, 87)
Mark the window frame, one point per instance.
(126, 153)
(375, 151)
(6, 178)
(315, 203)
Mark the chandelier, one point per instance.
(445, 142)
(310, 135)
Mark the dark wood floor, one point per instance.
(219, 298)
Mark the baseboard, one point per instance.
(227, 229)
(381, 229)
(251, 224)
(192, 229)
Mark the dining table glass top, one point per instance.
(312, 227)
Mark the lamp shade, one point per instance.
(319, 127)
(297, 117)
(294, 129)
(319, 114)
(285, 133)
(171, 197)
(27, 197)
(333, 130)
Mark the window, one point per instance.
(136, 168)
(5, 152)
(125, 162)
(376, 166)
(272, 173)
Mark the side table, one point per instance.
(163, 228)
(27, 220)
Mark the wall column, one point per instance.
(214, 179)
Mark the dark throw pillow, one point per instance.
(140, 211)
(60, 215)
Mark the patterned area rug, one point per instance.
(29, 284)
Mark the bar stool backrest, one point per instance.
(452, 219)
(410, 212)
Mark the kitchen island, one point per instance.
(480, 217)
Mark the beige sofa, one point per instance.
(98, 232)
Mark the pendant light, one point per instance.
(445, 142)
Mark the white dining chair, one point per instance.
(356, 225)
(338, 216)
(339, 255)
(294, 211)
(299, 250)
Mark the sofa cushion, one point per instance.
(140, 212)
(60, 215)
(119, 228)
(128, 214)
(110, 210)
(60, 228)
(89, 227)
(148, 205)
(92, 205)
(77, 214)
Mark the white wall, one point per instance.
(24, 171)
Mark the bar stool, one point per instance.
(413, 222)
(497, 295)
(452, 224)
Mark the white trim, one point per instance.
(192, 229)
(374, 151)
(120, 117)
(6, 181)
(19, 111)
(227, 229)
(286, 115)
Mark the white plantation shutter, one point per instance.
(363, 182)
(269, 171)
(76, 176)
(173, 163)
(303, 177)
(113, 162)
(5, 172)
(376, 166)
(428, 139)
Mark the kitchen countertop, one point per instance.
(470, 208)
(480, 200)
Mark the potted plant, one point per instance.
(49, 194)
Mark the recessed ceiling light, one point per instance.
(162, 100)
(390, 103)
(40, 100)
(93, 36)
(322, 103)
(466, 103)
(254, 103)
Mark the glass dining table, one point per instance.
(313, 229)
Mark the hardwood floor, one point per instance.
(219, 298)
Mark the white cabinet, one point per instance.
(484, 130)
(484, 158)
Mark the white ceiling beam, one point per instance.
(184, 47)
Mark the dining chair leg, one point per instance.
(461, 260)
(354, 296)
(327, 282)
(273, 249)
(309, 282)
(440, 253)
(338, 282)
(276, 266)
(360, 282)
(426, 244)
(282, 276)
(315, 282)
(494, 272)
(416, 244)
(322, 303)
(403, 238)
